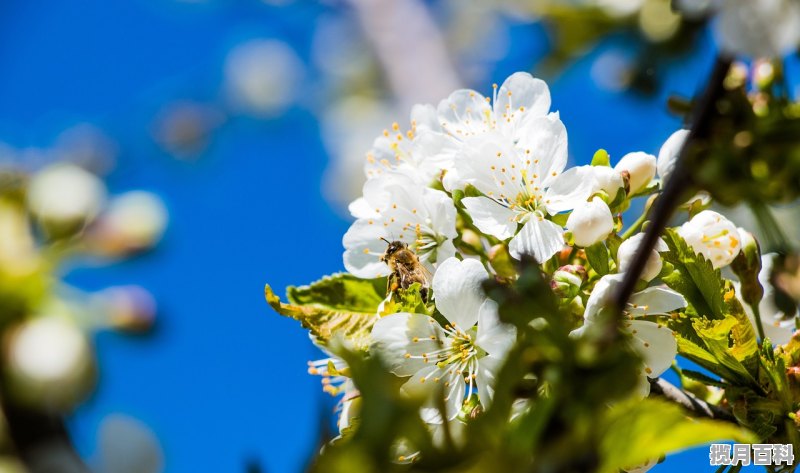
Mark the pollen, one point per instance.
(395, 126)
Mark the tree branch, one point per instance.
(690, 402)
(679, 183)
(41, 440)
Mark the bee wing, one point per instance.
(425, 276)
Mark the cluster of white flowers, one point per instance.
(497, 168)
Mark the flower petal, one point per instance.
(457, 287)
(363, 249)
(590, 222)
(465, 113)
(490, 217)
(654, 301)
(494, 337)
(601, 295)
(545, 144)
(570, 189)
(402, 339)
(488, 367)
(655, 343)
(539, 237)
(520, 99)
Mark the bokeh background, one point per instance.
(250, 119)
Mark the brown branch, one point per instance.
(688, 401)
(680, 181)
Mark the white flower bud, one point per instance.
(640, 166)
(713, 236)
(65, 195)
(628, 249)
(668, 154)
(134, 221)
(50, 363)
(608, 180)
(590, 222)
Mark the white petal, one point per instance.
(641, 168)
(713, 236)
(360, 208)
(494, 337)
(396, 335)
(627, 251)
(602, 295)
(655, 343)
(488, 367)
(608, 180)
(465, 113)
(490, 217)
(570, 189)
(590, 222)
(425, 381)
(539, 237)
(521, 98)
(668, 154)
(425, 116)
(364, 248)
(655, 301)
(457, 287)
(493, 165)
(545, 143)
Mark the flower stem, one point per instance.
(759, 325)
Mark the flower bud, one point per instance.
(590, 222)
(567, 280)
(608, 180)
(747, 266)
(668, 154)
(470, 242)
(129, 308)
(713, 236)
(49, 364)
(600, 158)
(65, 197)
(627, 251)
(641, 168)
(134, 221)
(501, 261)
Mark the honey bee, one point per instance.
(406, 268)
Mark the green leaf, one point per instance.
(694, 277)
(601, 158)
(340, 291)
(325, 323)
(639, 431)
(597, 255)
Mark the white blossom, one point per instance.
(713, 236)
(655, 343)
(523, 184)
(66, 194)
(628, 248)
(668, 154)
(460, 358)
(466, 115)
(590, 222)
(641, 169)
(395, 207)
(423, 152)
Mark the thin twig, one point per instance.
(688, 401)
(680, 181)
(41, 440)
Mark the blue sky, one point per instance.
(222, 380)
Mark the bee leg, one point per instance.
(392, 284)
(424, 293)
